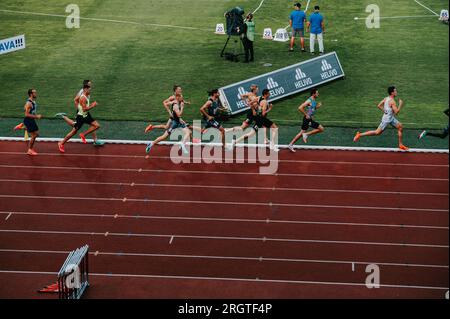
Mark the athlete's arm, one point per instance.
(203, 110)
(380, 105)
(394, 107)
(265, 108)
(302, 108)
(167, 103)
(178, 110)
(28, 107)
(76, 100)
(84, 106)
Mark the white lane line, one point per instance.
(313, 162)
(259, 7)
(275, 189)
(327, 283)
(107, 20)
(230, 220)
(294, 260)
(402, 17)
(222, 173)
(264, 239)
(7, 217)
(424, 6)
(299, 147)
(200, 202)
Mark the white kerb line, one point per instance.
(424, 6)
(105, 20)
(399, 17)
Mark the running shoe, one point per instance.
(357, 137)
(98, 143)
(231, 145)
(291, 148)
(148, 128)
(305, 138)
(61, 148)
(60, 115)
(403, 147)
(83, 138)
(32, 153)
(183, 148)
(19, 127)
(422, 135)
(291, 49)
(149, 147)
(274, 148)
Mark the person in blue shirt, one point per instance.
(317, 27)
(297, 22)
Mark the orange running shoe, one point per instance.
(19, 127)
(403, 147)
(148, 128)
(357, 137)
(83, 138)
(61, 148)
(32, 153)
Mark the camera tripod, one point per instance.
(238, 48)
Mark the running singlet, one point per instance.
(311, 109)
(258, 108)
(33, 106)
(388, 111)
(213, 108)
(174, 115)
(80, 108)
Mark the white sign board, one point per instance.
(12, 44)
(268, 35)
(281, 35)
(220, 29)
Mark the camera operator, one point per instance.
(248, 37)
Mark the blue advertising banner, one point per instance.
(285, 82)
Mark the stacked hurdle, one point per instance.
(73, 278)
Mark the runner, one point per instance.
(30, 120)
(167, 103)
(251, 99)
(210, 111)
(442, 135)
(390, 109)
(261, 121)
(176, 110)
(83, 116)
(71, 123)
(308, 109)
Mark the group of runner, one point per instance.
(257, 118)
(82, 116)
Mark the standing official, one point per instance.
(317, 27)
(249, 38)
(297, 22)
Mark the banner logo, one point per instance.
(299, 74)
(271, 84)
(326, 66)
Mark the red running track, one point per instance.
(160, 230)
